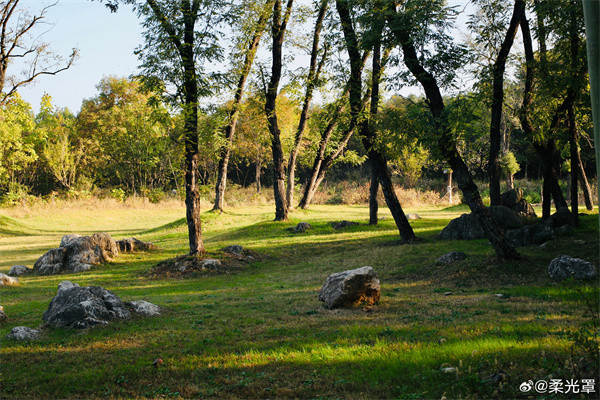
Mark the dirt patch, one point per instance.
(207, 264)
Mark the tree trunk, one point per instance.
(498, 100)
(574, 170)
(234, 113)
(447, 144)
(313, 76)
(278, 30)
(258, 173)
(373, 190)
(585, 185)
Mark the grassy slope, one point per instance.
(261, 333)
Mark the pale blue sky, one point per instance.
(105, 40)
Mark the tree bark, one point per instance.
(447, 143)
(313, 76)
(225, 151)
(498, 100)
(585, 185)
(278, 30)
(373, 190)
(574, 170)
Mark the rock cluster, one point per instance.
(77, 254)
(345, 289)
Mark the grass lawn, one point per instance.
(260, 331)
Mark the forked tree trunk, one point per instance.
(368, 134)
(498, 101)
(447, 144)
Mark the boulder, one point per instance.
(23, 333)
(451, 257)
(84, 307)
(345, 289)
(564, 267)
(144, 308)
(302, 227)
(467, 227)
(133, 244)
(413, 216)
(561, 217)
(342, 224)
(530, 235)
(6, 280)
(524, 210)
(19, 270)
(77, 254)
(234, 249)
(512, 197)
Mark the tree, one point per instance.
(225, 152)
(312, 80)
(409, 24)
(19, 44)
(278, 28)
(181, 38)
(368, 133)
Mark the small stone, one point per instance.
(451, 257)
(143, 307)
(64, 285)
(448, 294)
(499, 295)
(211, 264)
(3, 316)
(234, 249)
(413, 216)
(6, 280)
(20, 270)
(302, 227)
(342, 224)
(23, 333)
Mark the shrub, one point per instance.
(156, 195)
(118, 194)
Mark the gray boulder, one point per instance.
(234, 249)
(413, 216)
(564, 267)
(451, 257)
(345, 289)
(302, 227)
(84, 307)
(467, 227)
(530, 235)
(512, 197)
(144, 308)
(524, 210)
(23, 333)
(19, 270)
(6, 280)
(77, 254)
(133, 244)
(561, 217)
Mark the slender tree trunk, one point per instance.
(279, 27)
(258, 172)
(225, 152)
(574, 170)
(447, 145)
(313, 75)
(373, 190)
(498, 100)
(585, 185)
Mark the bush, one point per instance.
(156, 195)
(118, 194)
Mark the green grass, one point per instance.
(260, 332)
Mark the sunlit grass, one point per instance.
(261, 333)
